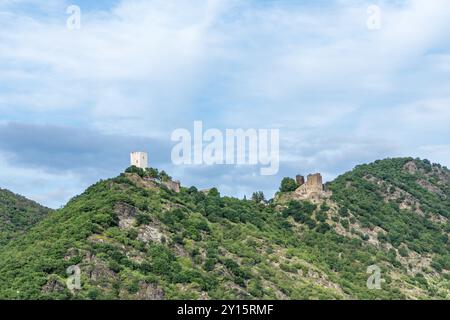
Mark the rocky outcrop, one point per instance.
(411, 167)
(172, 185)
(97, 271)
(126, 214)
(53, 285)
(143, 291)
(149, 233)
(149, 291)
(431, 188)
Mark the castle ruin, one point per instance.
(139, 159)
(312, 189)
(300, 180)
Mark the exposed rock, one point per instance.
(135, 256)
(322, 280)
(150, 291)
(411, 167)
(53, 285)
(414, 262)
(146, 183)
(172, 185)
(179, 249)
(431, 188)
(392, 193)
(438, 219)
(97, 271)
(149, 233)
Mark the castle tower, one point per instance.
(139, 159)
(315, 180)
(312, 189)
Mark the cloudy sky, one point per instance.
(74, 103)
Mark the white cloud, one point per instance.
(338, 92)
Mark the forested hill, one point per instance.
(17, 214)
(133, 238)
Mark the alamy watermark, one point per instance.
(73, 282)
(374, 21)
(74, 20)
(229, 147)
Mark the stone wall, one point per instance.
(315, 180)
(173, 185)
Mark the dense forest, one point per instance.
(133, 238)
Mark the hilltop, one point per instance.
(133, 237)
(18, 214)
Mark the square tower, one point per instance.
(139, 159)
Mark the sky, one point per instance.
(75, 103)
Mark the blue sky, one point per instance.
(73, 104)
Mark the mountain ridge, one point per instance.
(18, 214)
(137, 239)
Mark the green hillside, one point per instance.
(135, 239)
(17, 214)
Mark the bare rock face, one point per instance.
(431, 188)
(411, 167)
(146, 183)
(149, 233)
(173, 185)
(126, 214)
(53, 285)
(97, 271)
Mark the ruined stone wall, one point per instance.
(315, 180)
(300, 180)
(313, 188)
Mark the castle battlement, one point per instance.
(139, 159)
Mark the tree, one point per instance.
(288, 185)
(213, 193)
(152, 173)
(164, 176)
(134, 169)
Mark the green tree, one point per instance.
(288, 185)
(258, 197)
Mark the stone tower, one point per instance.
(139, 159)
(315, 180)
(300, 180)
(312, 189)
